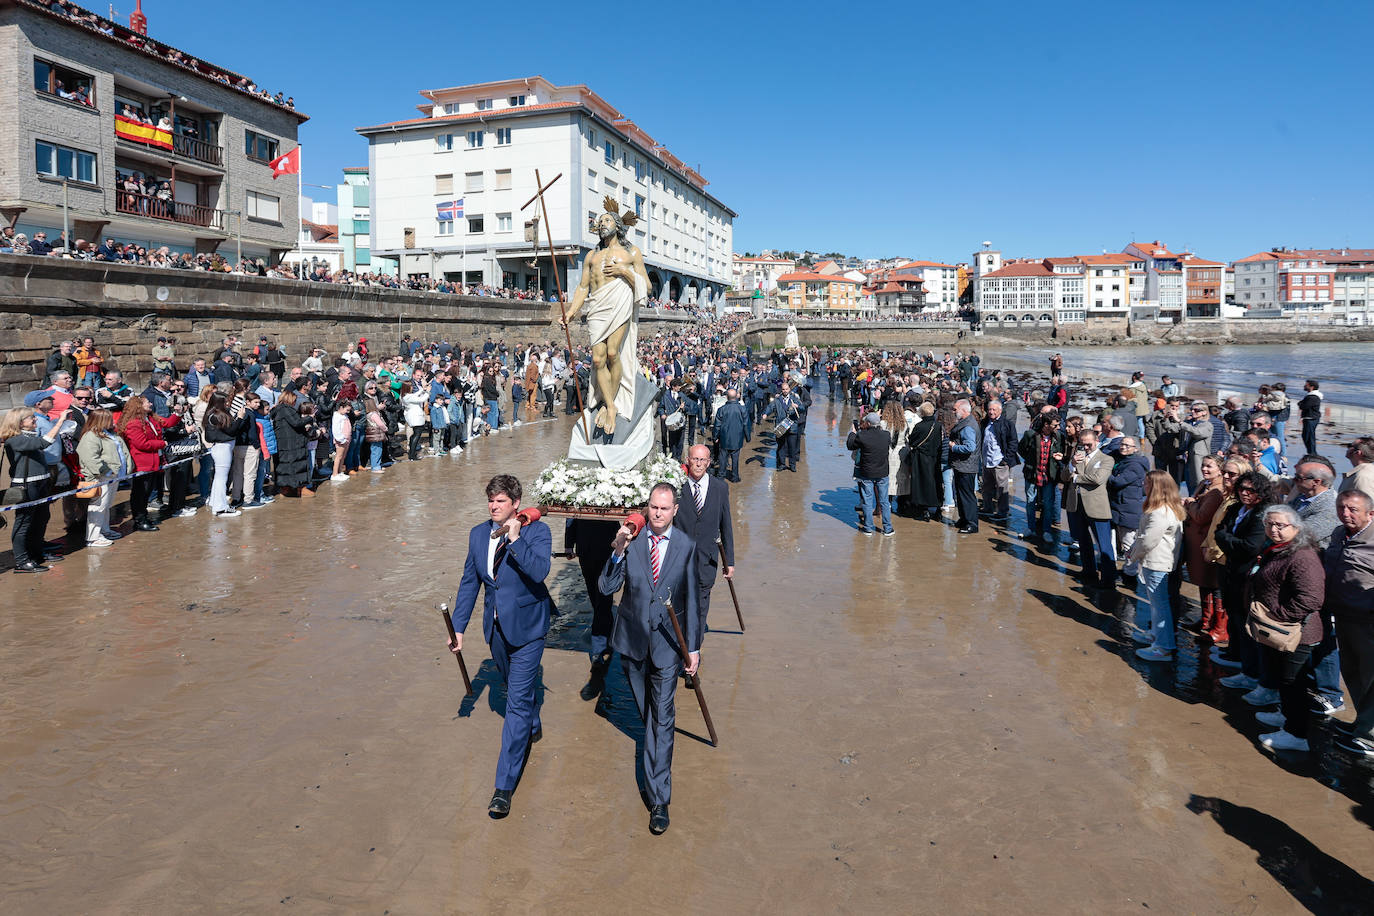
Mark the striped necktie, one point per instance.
(654, 550)
(699, 496)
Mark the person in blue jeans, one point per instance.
(1042, 449)
(872, 443)
(1158, 543)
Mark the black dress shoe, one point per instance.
(658, 819)
(53, 558)
(500, 804)
(145, 526)
(537, 734)
(31, 567)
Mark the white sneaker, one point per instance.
(456, 450)
(100, 542)
(229, 513)
(1262, 696)
(338, 478)
(1239, 682)
(188, 512)
(1282, 741)
(378, 470)
(1272, 719)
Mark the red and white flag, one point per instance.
(287, 164)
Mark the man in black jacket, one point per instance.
(873, 443)
(999, 457)
(1310, 410)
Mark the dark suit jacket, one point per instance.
(713, 522)
(641, 609)
(732, 426)
(517, 595)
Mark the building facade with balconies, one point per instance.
(448, 187)
(150, 145)
(820, 295)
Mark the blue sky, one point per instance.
(893, 129)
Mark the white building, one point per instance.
(750, 274)
(447, 190)
(940, 281)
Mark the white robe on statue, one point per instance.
(607, 308)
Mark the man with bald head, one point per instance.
(704, 513)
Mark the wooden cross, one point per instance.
(558, 283)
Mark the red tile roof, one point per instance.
(1120, 258)
(924, 264)
(1202, 262)
(1036, 269)
(811, 277)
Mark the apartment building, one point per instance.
(758, 274)
(447, 190)
(818, 294)
(119, 135)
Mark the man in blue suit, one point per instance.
(511, 564)
(658, 564)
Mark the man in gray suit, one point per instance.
(657, 565)
(1090, 512)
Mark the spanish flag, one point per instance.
(139, 132)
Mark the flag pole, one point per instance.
(300, 219)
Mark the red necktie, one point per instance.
(654, 559)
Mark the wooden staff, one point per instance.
(733, 597)
(453, 638)
(558, 284)
(693, 680)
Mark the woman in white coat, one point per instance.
(1158, 542)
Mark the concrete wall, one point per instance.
(770, 333)
(43, 300)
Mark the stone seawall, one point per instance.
(43, 300)
(769, 333)
(1204, 331)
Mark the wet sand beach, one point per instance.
(259, 714)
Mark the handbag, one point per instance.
(1264, 629)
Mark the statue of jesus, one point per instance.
(614, 283)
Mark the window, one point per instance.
(639, 170)
(475, 139)
(63, 82)
(60, 162)
(263, 206)
(611, 187)
(475, 225)
(516, 101)
(503, 136)
(258, 147)
(445, 227)
(502, 182)
(443, 184)
(591, 220)
(591, 137)
(503, 222)
(450, 108)
(484, 104)
(609, 150)
(443, 143)
(473, 181)
(639, 205)
(591, 182)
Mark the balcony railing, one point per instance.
(199, 150)
(172, 211)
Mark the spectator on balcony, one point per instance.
(39, 246)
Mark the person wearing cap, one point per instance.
(164, 357)
(786, 408)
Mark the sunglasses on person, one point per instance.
(1306, 477)
(1229, 474)
(1246, 490)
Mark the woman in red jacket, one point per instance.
(143, 431)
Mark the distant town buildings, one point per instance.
(751, 274)
(447, 188)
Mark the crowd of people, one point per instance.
(111, 29)
(1156, 488)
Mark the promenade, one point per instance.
(261, 715)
